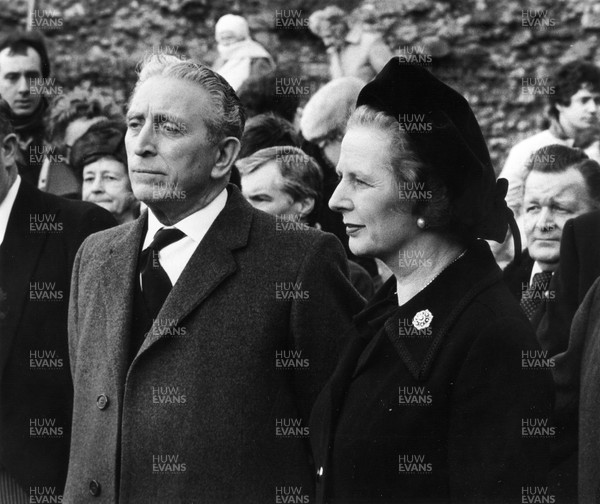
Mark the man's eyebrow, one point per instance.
(165, 116)
(132, 114)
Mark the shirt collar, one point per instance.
(6, 206)
(195, 226)
(534, 271)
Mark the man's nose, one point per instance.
(24, 85)
(145, 140)
(545, 220)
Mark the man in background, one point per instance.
(23, 59)
(285, 182)
(562, 183)
(573, 114)
(39, 237)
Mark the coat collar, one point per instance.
(438, 305)
(210, 264)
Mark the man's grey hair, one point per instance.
(228, 117)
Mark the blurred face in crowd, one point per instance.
(330, 145)
(333, 34)
(16, 70)
(76, 129)
(550, 199)
(173, 166)
(386, 21)
(368, 198)
(264, 189)
(227, 37)
(105, 182)
(582, 112)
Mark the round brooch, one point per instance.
(422, 319)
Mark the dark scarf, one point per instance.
(31, 125)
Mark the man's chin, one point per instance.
(544, 256)
(23, 112)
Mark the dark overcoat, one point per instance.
(438, 400)
(577, 394)
(214, 407)
(36, 395)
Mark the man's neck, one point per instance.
(170, 213)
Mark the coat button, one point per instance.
(94, 488)
(320, 473)
(102, 401)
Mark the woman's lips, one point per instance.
(353, 228)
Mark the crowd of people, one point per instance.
(214, 295)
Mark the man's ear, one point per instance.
(304, 206)
(10, 145)
(227, 151)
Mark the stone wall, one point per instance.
(484, 48)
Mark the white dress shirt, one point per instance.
(175, 256)
(6, 206)
(536, 269)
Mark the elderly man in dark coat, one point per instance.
(200, 334)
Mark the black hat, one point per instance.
(102, 139)
(446, 135)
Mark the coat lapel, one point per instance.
(120, 274)
(209, 266)
(445, 299)
(21, 252)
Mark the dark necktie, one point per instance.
(533, 296)
(155, 281)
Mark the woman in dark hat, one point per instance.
(100, 160)
(435, 398)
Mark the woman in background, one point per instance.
(100, 160)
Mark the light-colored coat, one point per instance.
(215, 342)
